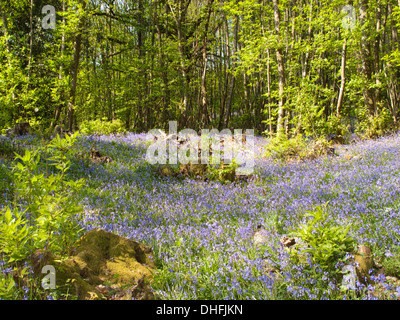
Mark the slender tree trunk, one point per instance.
(30, 41)
(377, 68)
(366, 64)
(75, 71)
(204, 107)
(180, 17)
(223, 74)
(343, 79)
(60, 74)
(269, 94)
(281, 71)
(232, 82)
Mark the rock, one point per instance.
(98, 259)
(378, 262)
(363, 257)
(96, 156)
(349, 277)
(260, 236)
(330, 151)
(393, 280)
(287, 242)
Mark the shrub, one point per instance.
(373, 127)
(43, 210)
(100, 127)
(6, 185)
(311, 269)
(325, 242)
(222, 172)
(335, 126)
(297, 148)
(283, 148)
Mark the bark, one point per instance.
(281, 71)
(75, 71)
(232, 82)
(366, 62)
(343, 79)
(60, 74)
(204, 107)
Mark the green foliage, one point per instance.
(44, 205)
(391, 264)
(6, 181)
(284, 148)
(222, 172)
(8, 289)
(322, 240)
(334, 125)
(373, 127)
(8, 148)
(100, 127)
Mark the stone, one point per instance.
(349, 277)
(287, 242)
(183, 169)
(9, 132)
(98, 259)
(96, 156)
(260, 236)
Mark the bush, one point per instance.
(283, 148)
(222, 172)
(297, 148)
(43, 210)
(335, 126)
(373, 127)
(312, 268)
(100, 127)
(323, 241)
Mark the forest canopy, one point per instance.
(275, 66)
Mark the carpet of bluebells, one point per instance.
(201, 232)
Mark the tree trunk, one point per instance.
(232, 83)
(281, 71)
(343, 79)
(75, 71)
(366, 62)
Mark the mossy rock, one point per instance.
(101, 257)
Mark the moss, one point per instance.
(99, 257)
